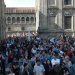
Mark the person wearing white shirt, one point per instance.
(55, 61)
(11, 74)
(34, 50)
(40, 48)
(38, 68)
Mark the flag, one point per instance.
(29, 35)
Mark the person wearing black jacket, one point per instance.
(2, 64)
(64, 70)
(16, 67)
(26, 71)
(29, 50)
(48, 68)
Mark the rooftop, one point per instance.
(20, 10)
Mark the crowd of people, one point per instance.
(39, 56)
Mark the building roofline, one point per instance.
(20, 9)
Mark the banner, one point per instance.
(29, 35)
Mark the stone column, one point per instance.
(37, 9)
(74, 15)
(2, 20)
(74, 19)
(60, 19)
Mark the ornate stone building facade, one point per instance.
(20, 20)
(48, 17)
(55, 17)
(2, 20)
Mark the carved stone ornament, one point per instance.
(68, 12)
(52, 12)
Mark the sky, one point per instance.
(20, 3)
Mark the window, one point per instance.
(67, 22)
(27, 20)
(13, 20)
(23, 19)
(9, 29)
(9, 20)
(67, 2)
(51, 2)
(23, 28)
(18, 19)
(32, 19)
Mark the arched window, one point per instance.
(18, 19)
(32, 19)
(13, 20)
(23, 19)
(27, 20)
(9, 20)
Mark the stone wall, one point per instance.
(24, 25)
(59, 10)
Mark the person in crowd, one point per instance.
(29, 47)
(55, 60)
(16, 67)
(49, 56)
(64, 69)
(44, 58)
(52, 52)
(20, 63)
(73, 56)
(72, 69)
(33, 60)
(55, 49)
(40, 47)
(38, 68)
(26, 71)
(48, 68)
(2, 64)
(34, 50)
(10, 56)
(6, 56)
(68, 62)
(24, 61)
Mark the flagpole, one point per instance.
(29, 35)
